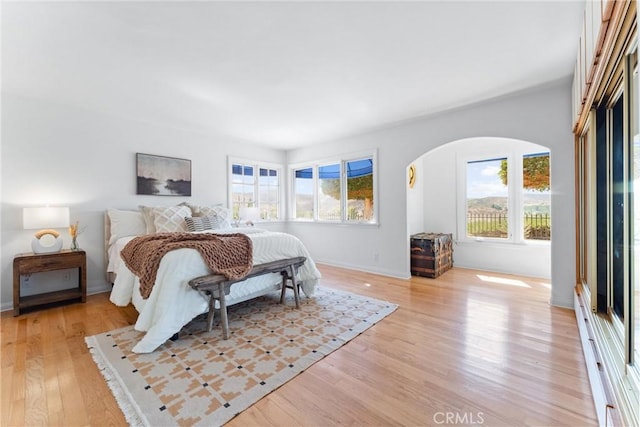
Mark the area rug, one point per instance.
(201, 379)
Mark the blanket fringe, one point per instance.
(131, 411)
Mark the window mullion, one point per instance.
(511, 198)
(515, 205)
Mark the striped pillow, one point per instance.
(202, 223)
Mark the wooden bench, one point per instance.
(217, 286)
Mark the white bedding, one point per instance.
(173, 303)
(113, 253)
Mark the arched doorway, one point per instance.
(490, 193)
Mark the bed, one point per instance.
(172, 302)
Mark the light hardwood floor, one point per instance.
(468, 348)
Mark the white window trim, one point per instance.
(515, 179)
(341, 160)
(257, 165)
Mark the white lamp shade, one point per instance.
(45, 217)
(249, 214)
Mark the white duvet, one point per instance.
(173, 303)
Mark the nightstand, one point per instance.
(39, 263)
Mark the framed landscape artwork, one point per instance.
(163, 176)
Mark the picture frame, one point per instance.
(162, 175)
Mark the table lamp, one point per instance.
(47, 240)
(249, 215)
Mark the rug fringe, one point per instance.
(130, 411)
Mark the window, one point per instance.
(258, 185)
(586, 195)
(269, 193)
(634, 291)
(329, 193)
(487, 199)
(340, 191)
(616, 204)
(495, 210)
(303, 193)
(360, 190)
(536, 196)
(243, 185)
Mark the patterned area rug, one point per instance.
(201, 379)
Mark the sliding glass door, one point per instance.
(608, 174)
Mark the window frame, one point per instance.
(586, 208)
(342, 161)
(257, 165)
(515, 203)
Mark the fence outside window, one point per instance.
(496, 225)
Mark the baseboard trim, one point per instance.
(98, 287)
(380, 271)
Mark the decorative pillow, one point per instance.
(147, 214)
(202, 223)
(125, 223)
(170, 219)
(223, 215)
(196, 210)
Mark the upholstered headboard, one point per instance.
(111, 277)
(119, 223)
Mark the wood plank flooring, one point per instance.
(468, 348)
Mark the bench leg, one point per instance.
(212, 306)
(286, 275)
(294, 284)
(284, 286)
(224, 320)
(223, 317)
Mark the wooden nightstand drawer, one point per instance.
(39, 263)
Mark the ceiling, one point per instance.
(283, 74)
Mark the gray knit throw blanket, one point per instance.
(228, 254)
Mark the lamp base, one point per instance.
(46, 244)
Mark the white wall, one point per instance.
(59, 155)
(441, 189)
(541, 116)
(86, 160)
(415, 198)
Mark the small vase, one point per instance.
(74, 244)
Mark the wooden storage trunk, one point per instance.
(431, 254)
